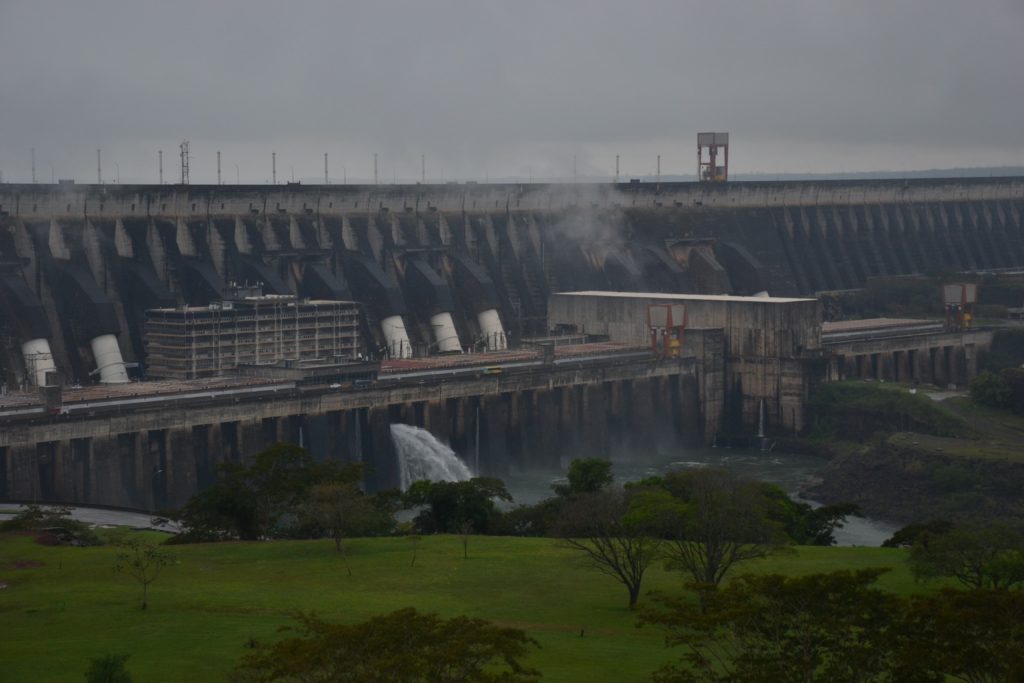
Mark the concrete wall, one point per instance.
(942, 359)
(772, 349)
(543, 419)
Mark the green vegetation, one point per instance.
(404, 646)
(838, 627)
(909, 458)
(63, 602)
(108, 669)
(856, 411)
(990, 556)
(54, 521)
(261, 498)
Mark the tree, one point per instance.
(833, 628)
(402, 646)
(990, 556)
(259, 499)
(54, 519)
(599, 526)
(586, 475)
(341, 509)
(448, 503)
(711, 521)
(973, 636)
(143, 562)
(802, 523)
(464, 528)
(108, 669)
(991, 389)
(911, 533)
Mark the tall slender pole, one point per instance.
(160, 155)
(99, 169)
(423, 169)
(273, 168)
(616, 168)
(326, 177)
(659, 168)
(33, 165)
(375, 182)
(218, 167)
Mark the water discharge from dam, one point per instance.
(422, 456)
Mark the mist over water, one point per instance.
(421, 456)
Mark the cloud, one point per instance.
(503, 88)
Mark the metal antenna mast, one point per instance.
(184, 162)
(33, 165)
(423, 169)
(218, 167)
(375, 168)
(273, 168)
(616, 169)
(160, 155)
(326, 177)
(99, 169)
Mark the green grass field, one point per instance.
(64, 605)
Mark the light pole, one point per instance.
(236, 175)
(117, 170)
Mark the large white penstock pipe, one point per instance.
(108, 359)
(491, 329)
(38, 359)
(396, 338)
(445, 336)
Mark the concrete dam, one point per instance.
(439, 268)
(435, 271)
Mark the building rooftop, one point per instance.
(687, 297)
(868, 324)
(265, 299)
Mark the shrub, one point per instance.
(991, 390)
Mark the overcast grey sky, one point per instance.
(499, 89)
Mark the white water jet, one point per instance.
(421, 456)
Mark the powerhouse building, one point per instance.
(192, 342)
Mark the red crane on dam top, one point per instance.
(708, 169)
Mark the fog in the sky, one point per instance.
(503, 89)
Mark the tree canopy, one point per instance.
(990, 556)
(828, 628)
(711, 520)
(448, 506)
(260, 498)
(599, 526)
(586, 475)
(406, 645)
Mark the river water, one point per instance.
(786, 470)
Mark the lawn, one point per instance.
(65, 605)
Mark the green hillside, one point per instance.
(63, 606)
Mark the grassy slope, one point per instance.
(72, 607)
